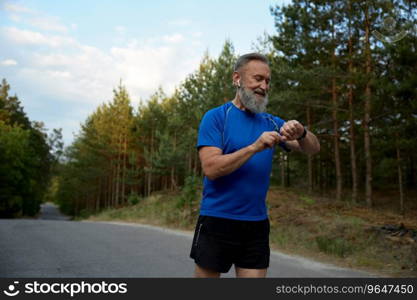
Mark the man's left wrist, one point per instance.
(303, 135)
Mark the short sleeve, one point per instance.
(210, 131)
(279, 123)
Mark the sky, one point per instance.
(64, 58)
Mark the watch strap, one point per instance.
(303, 135)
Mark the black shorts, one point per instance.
(218, 243)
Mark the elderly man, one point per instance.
(236, 143)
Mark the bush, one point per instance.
(189, 192)
(133, 199)
(85, 213)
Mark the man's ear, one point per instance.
(236, 79)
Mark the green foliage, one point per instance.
(134, 199)
(307, 200)
(25, 160)
(189, 192)
(335, 246)
(95, 173)
(315, 41)
(51, 193)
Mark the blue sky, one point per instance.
(63, 58)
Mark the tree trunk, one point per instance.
(309, 157)
(367, 113)
(123, 196)
(335, 120)
(112, 181)
(195, 154)
(318, 170)
(108, 195)
(97, 202)
(351, 120)
(190, 159)
(282, 168)
(336, 141)
(288, 170)
(400, 175)
(118, 167)
(412, 173)
(150, 167)
(173, 184)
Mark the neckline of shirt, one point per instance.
(241, 110)
(246, 111)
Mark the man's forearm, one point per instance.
(225, 164)
(310, 144)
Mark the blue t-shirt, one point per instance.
(241, 194)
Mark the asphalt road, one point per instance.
(54, 246)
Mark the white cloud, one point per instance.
(8, 62)
(16, 8)
(48, 24)
(87, 73)
(59, 74)
(79, 77)
(173, 38)
(15, 18)
(21, 14)
(145, 68)
(28, 37)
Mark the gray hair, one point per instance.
(245, 59)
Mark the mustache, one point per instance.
(260, 91)
(257, 91)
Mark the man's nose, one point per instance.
(264, 85)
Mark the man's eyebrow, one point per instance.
(259, 75)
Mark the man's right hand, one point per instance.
(267, 140)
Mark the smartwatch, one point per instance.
(303, 135)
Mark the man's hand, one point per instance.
(267, 140)
(291, 130)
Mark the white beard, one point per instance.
(251, 102)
